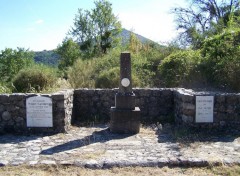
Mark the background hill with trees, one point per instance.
(205, 55)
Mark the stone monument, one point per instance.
(125, 117)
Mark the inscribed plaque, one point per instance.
(39, 112)
(204, 109)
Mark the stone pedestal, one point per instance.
(125, 121)
(125, 117)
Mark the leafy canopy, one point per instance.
(204, 18)
(97, 30)
(12, 61)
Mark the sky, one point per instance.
(43, 24)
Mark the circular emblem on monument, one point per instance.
(125, 82)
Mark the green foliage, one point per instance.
(205, 18)
(69, 52)
(4, 88)
(177, 69)
(107, 73)
(108, 78)
(221, 64)
(142, 70)
(80, 75)
(12, 61)
(35, 79)
(47, 57)
(97, 30)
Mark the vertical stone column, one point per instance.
(125, 117)
(125, 85)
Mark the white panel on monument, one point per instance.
(39, 112)
(204, 109)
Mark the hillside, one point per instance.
(51, 58)
(47, 57)
(125, 34)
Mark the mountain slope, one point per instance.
(51, 58)
(125, 34)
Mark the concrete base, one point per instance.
(125, 121)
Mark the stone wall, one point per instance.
(13, 112)
(94, 104)
(88, 105)
(226, 109)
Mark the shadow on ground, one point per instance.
(99, 136)
(188, 135)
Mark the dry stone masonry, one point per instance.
(13, 112)
(87, 105)
(226, 108)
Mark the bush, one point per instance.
(108, 78)
(111, 78)
(4, 88)
(179, 68)
(142, 71)
(80, 75)
(35, 79)
(221, 64)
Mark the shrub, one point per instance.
(108, 78)
(178, 68)
(221, 64)
(4, 88)
(80, 75)
(111, 78)
(142, 71)
(35, 79)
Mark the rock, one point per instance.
(6, 116)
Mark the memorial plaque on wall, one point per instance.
(39, 112)
(204, 109)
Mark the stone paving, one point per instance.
(96, 147)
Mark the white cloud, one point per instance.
(40, 21)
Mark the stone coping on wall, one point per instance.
(199, 93)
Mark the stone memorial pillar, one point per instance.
(125, 117)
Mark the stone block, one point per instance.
(187, 119)
(57, 97)
(167, 93)
(189, 106)
(6, 116)
(157, 93)
(188, 98)
(231, 99)
(125, 101)
(4, 98)
(125, 121)
(220, 99)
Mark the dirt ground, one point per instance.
(127, 171)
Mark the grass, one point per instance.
(129, 171)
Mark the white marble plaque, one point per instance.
(125, 82)
(39, 112)
(204, 109)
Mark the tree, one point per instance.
(135, 45)
(96, 31)
(12, 61)
(203, 18)
(69, 52)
